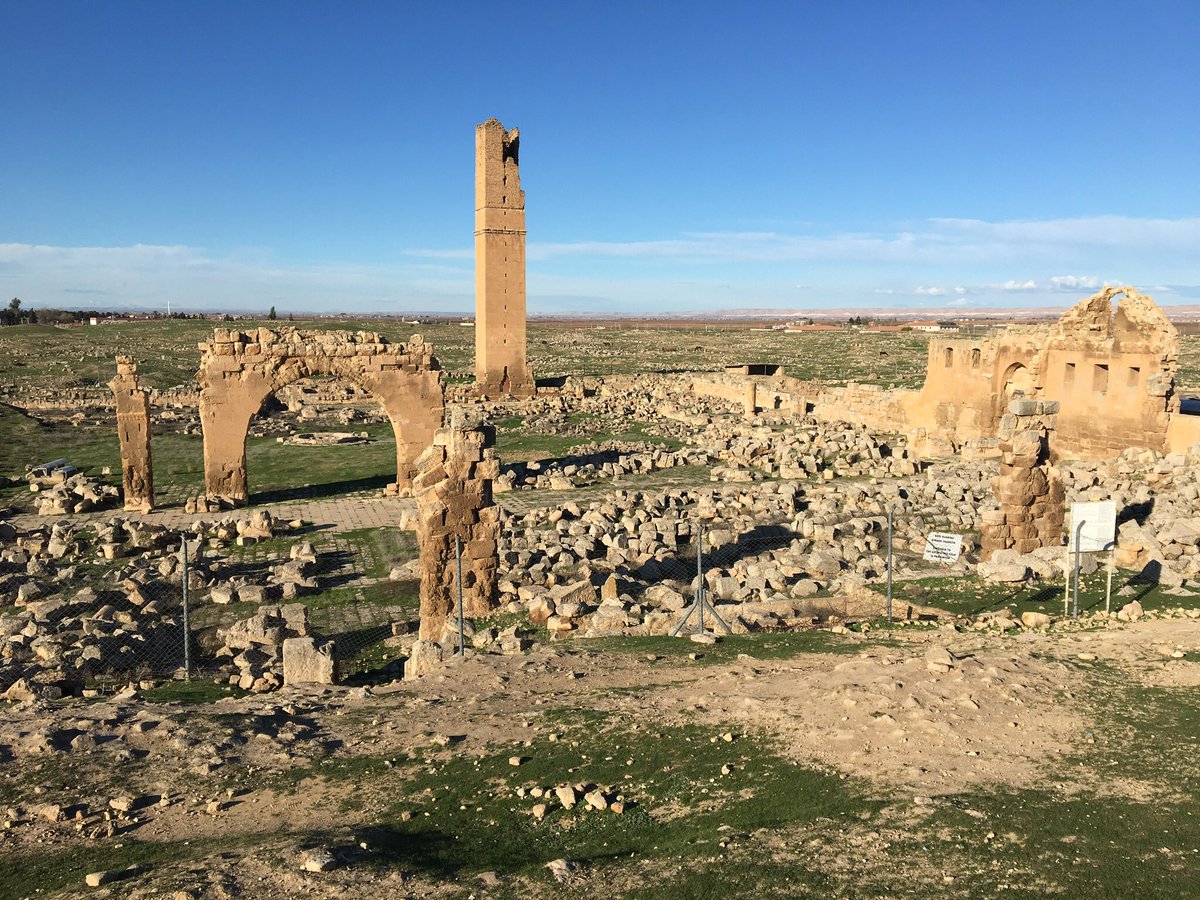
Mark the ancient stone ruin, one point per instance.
(1030, 494)
(1110, 361)
(500, 365)
(453, 489)
(239, 370)
(1111, 366)
(133, 429)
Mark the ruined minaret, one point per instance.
(500, 366)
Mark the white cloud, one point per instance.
(931, 291)
(1076, 282)
(960, 290)
(1012, 285)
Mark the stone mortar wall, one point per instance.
(453, 488)
(133, 428)
(240, 369)
(1032, 499)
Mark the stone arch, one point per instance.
(239, 370)
(1018, 377)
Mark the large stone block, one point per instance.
(305, 661)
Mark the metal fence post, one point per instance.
(462, 648)
(889, 565)
(700, 598)
(187, 628)
(1078, 534)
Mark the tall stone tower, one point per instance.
(500, 366)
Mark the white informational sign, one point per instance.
(1095, 526)
(942, 547)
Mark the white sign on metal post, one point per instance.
(1094, 525)
(942, 547)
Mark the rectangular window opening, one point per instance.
(1135, 376)
(1069, 375)
(1100, 379)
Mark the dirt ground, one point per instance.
(924, 711)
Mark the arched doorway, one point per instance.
(240, 370)
(1018, 382)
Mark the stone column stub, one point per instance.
(453, 489)
(133, 431)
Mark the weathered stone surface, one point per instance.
(239, 370)
(454, 500)
(133, 429)
(500, 363)
(305, 661)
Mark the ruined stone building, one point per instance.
(500, 365)
(1110, 365)
(241, 369)
(1110, 362)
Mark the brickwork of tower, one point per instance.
(500, 363)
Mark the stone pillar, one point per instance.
(500, 364)
(133, 429)
(453, 488)
(1031, 496)
(750, 399)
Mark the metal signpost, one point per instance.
(889, 566)
(1093, 530)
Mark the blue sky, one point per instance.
(675, 156)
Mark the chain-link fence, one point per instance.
(128, 602)
(103, 605)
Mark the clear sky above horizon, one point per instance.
(675, 156)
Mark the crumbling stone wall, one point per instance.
(1111, 365)
(1032, 499)
(133, 430)
(453, 488)
(500, 363)
(241, 369)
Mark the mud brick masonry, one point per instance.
(241, 369)
(133, 429)
(500, 365)
(453, 488)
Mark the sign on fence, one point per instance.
(942, 547)
(1095, 525)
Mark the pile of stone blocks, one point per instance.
(1031, 496)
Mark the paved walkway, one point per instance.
(343, 514)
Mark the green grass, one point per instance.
(36, 874)
(781, 645)
(968, 596)
(466, 817)
(198, 691)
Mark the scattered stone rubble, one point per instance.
(62, 489)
